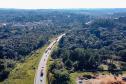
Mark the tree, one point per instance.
(122, 54)
(61, 76)
(69, 64)
(112, 67)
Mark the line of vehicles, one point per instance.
(46, 52)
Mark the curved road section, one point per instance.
(40, 76)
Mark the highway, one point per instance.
(40, 76)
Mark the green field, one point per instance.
(24, 72)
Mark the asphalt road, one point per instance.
(40, 76)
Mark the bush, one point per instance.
(3, 75)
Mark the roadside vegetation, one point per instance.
(24, 72)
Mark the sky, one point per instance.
(61, 4)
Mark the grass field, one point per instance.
(24, 72)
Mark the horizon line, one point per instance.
(60, 8)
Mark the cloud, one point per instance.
(38, 4)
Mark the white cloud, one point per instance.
(35, 4)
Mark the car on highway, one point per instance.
(41, 80)
(41, 74)
(46, 51)
(50, 48)
(80, 82)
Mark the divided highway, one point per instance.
(40, 76)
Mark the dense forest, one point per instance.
(97, 45)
